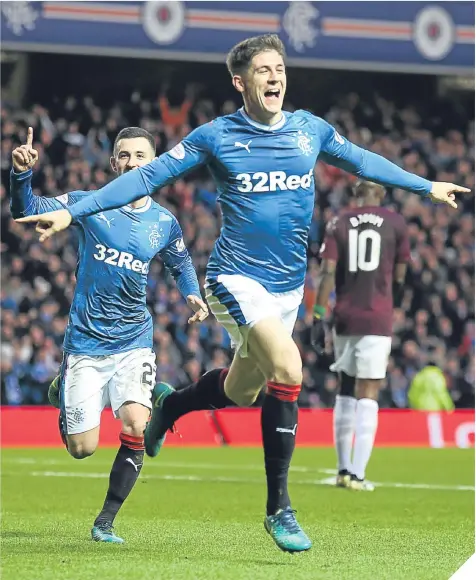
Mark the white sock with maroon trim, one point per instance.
(365, 428)
(344, 423)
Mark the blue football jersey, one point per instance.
(109, 313)
(265, 181)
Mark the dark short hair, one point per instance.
(363, 188)
(133, 133)
(240, 56)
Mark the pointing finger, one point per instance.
(29, 137)
(28, 219)
(460, 189)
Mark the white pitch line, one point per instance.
(197, 478)
(429, 486)
(177, 464)
(234, 467)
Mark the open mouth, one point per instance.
(272, 94)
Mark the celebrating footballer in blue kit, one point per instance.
(262, 160)
(108, 356)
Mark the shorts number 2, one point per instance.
(147, 374)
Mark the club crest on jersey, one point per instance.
(180, 245)
(304, 143)
(155, 235)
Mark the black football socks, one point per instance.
(279, 419)
(124, 473)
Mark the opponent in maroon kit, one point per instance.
(364, 255)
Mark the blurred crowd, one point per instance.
(435, 324)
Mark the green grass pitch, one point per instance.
(198, 514)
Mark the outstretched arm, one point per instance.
(341, 153)
(183, 158)
(192, 152)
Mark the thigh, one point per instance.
(133, 379)
(83, 384)
(372, 353)
(345, 355)
(238, 303)
(274, 350)
(244, 380)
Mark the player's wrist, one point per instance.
(429, 188)
(19, 172)
(319, 312)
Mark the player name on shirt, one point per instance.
(366, 218)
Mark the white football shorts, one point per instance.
(362, 357)
(238, 303)
(90, 383)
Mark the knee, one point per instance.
(368, 389)
(287, 368)
(134, 427)
(244, 399)
(80, 450)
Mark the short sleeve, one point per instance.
(329, 249)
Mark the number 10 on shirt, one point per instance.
(364, 250)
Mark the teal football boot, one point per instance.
(286, 532)
(158, 425)
(53, 392)
(103, 532)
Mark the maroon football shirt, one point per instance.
(366, 243)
